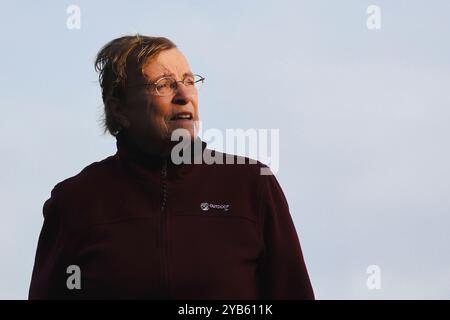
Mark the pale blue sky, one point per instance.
(363, 119)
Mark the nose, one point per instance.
(182, 94)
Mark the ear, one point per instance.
(117, 110)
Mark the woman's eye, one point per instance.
(163, 85)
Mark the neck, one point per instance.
(150, 147)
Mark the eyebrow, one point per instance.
(170, 74)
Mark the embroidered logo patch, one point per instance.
(205, 206)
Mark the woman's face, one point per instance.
(153, 118)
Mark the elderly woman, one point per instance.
(136, 225)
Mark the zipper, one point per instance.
(164, 185)
(164, 255)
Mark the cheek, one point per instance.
(158, 116)
(195, 104)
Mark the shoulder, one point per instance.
(234, 166)
(239, 172)
(87, 180)
(246, 171)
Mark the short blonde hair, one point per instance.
(113, 62)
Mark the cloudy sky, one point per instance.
(363, 117)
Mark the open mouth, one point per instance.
(182, 116)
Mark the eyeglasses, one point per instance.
(167, 86)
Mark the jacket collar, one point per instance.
(128, 152)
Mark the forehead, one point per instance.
(170, 61)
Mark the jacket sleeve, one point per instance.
(48, 272)
(283, 271)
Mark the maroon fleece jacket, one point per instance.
(142, 227)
